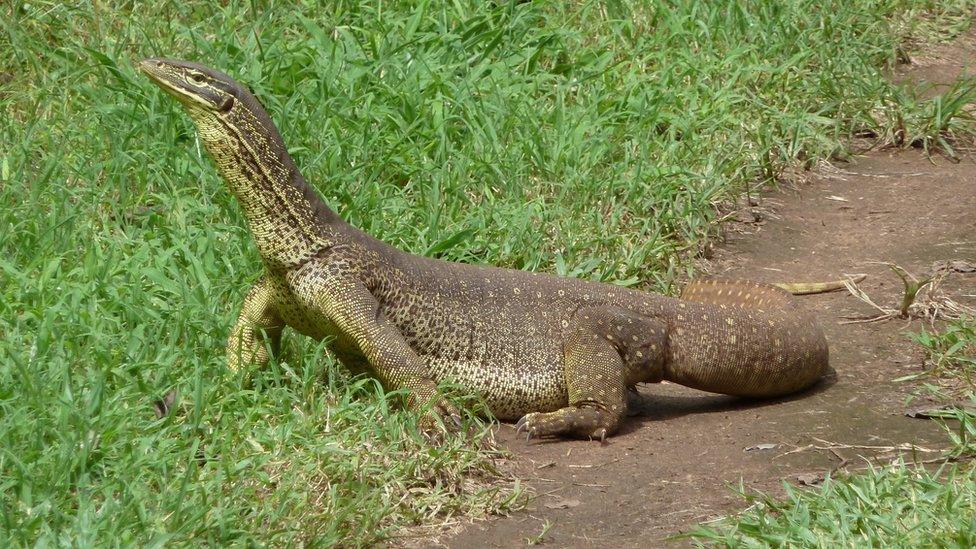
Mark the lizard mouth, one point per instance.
(152, 68)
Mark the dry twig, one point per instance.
(921, 299)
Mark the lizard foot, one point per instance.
(442, 418)
(581, 422)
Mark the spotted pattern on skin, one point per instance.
(558, 353)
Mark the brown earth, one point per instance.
(674, 463)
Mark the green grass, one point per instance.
(590, 139)
(951, 377)
(895, 506)
(952, 355)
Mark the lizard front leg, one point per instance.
(355, 313)
(258, 328)
(606, 350)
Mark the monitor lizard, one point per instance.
(557, 355)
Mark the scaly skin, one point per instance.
(557, 354)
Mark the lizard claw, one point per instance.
(523, 426)
(440, 420)
(450, 417)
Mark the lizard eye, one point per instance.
(196, 77)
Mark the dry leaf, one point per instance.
(563, 504)
(930, 411)
(763, 446)
(954, 265)
(810, 479)
(165, 404)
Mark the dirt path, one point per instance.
(672, 465)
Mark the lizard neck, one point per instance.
(287, 219)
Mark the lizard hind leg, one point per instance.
(606, 350)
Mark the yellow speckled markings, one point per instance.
(556, 354)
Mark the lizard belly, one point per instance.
(510, 389)
(508, 354)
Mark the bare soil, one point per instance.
(675, 462)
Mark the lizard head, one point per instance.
(193, 84)
(216, 102)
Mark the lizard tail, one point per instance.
(801, 288)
